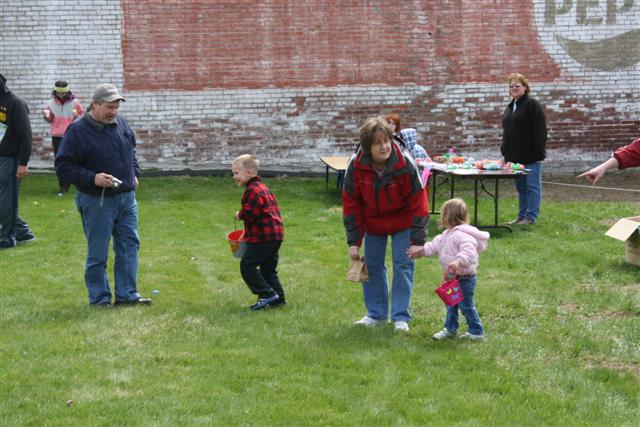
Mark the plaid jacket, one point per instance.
(260, 213)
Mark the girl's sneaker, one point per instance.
(444, 333)
(472, 336)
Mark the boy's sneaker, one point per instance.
(264, 302)
(26, 239)
(6, 244)
(369, 322)
(280, 301)
(443, 334)
(400, 326)
(472, 336)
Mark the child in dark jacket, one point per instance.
(263, 231)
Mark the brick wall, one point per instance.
(292, 80)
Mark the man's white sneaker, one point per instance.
(400, 326)
(472, 336)
(369, 322)
(443, 334)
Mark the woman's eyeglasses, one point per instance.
(514, 86)
(381, 143)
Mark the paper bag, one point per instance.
(357, 271)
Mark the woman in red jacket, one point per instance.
(384, 196)
(624, 157)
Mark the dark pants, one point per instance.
(12, 228)
(258, 269)
(63, 186)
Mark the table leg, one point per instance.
(434, 186)
(452, 185)
(494, 196)
(326, 179)
(496, 203)
(475, 202)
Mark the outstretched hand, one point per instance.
(594, 175)
(415, 251)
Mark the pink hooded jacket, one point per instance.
(463, 242)
(61, 114)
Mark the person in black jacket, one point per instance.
(15, 151)
(524, 140)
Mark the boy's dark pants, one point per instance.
(258, 268)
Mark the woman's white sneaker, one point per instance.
(443, 334)
(369, 322)
(400, 326)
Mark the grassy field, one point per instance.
(560, 307)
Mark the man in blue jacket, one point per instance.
(15, 151)
(97, 155)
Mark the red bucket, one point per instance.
(237, 242)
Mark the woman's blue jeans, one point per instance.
(468, 286)
(376, 290)
(529, 188)
(117, 218)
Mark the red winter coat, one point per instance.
(387, 204)
(629, 155)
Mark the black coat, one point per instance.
(15, 128)
(524, 132)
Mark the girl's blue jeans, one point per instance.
(468, 286)
(376, 290)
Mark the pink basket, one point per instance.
(449, 290)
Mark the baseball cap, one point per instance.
(107, 93)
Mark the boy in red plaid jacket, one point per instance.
(263, 231)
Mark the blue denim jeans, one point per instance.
(468, 286)
(376, 290)
(529, 188)
(117, 218)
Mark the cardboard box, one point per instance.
(628, 231)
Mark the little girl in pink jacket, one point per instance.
(458, 248)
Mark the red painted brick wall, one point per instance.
(194, 45)
(292, 80)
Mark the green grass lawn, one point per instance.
(560, 307)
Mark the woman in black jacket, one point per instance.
(524, 140)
